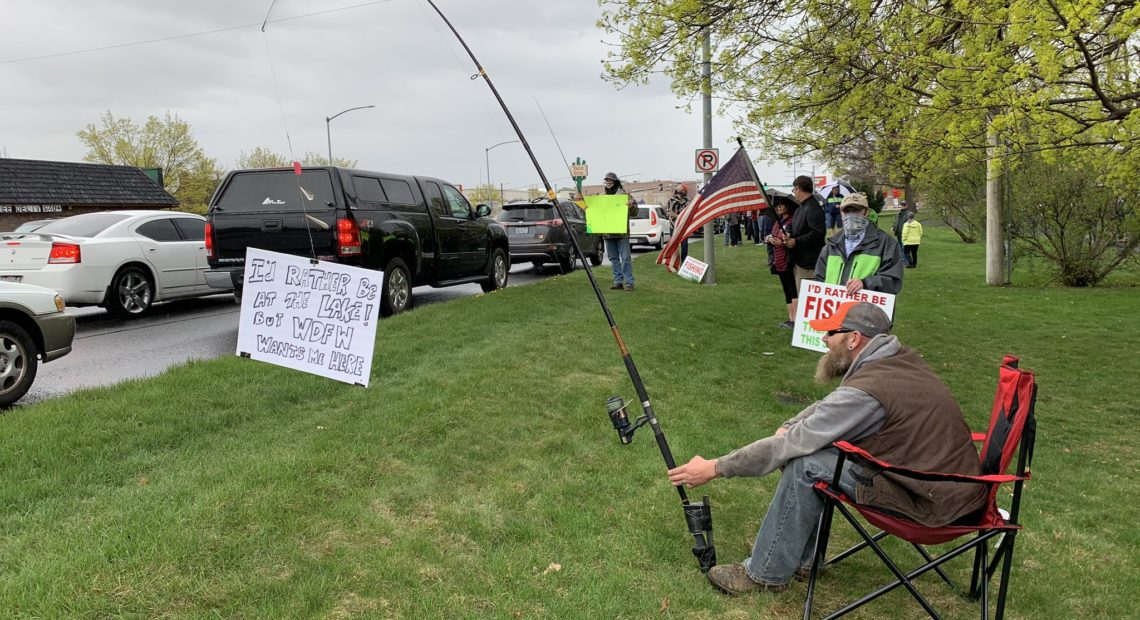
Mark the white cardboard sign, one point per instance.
(818, 300)
(313, 316)
(693, 269)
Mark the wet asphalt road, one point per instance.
(108, 350)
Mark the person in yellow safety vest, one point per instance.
(831, 208)
(911, 237)
(860, 256)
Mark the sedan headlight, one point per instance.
(59, 305)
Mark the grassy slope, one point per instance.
(481, 456)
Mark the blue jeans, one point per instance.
(833, 218)
(786, 540)
(621, 260)
(684, 249)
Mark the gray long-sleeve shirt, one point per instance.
(846, 414)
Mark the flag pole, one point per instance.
(697, 515)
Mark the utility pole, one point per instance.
(706, 97)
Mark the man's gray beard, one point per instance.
(833, 364)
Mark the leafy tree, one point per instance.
(956, 193)
(168, 144)
(261, 157)
(876, 199)
(918, 78)
(484, 194)
(198, 185)
(313, 158)
(1064, 213)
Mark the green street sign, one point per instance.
(579, 171)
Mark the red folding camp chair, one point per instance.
(1012, 424)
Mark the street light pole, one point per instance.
(328, 132)
(487, 157)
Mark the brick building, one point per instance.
(39, 190)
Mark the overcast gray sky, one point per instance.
(328, 55)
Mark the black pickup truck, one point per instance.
(417, 230)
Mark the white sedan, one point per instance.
(121, 260)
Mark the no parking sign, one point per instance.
(708, 160)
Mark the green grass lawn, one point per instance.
(480, 477)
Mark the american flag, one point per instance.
(733, 189)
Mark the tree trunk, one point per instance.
(995, 248)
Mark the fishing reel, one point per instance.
(699, 519)
(697, 516)
(616, 407)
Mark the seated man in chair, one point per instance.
(890, 403)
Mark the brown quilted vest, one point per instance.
(924, 429)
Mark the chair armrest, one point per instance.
(978, 436)
(868, 459)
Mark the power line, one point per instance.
(187, 36)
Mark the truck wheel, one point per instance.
(18, 362)
(396, 294)
(497, 269)
(131, 292)
(599, 249)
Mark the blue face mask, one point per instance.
(854, 225)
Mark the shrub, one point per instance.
(1064, 212)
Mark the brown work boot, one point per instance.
(733, 579)
(803, 573)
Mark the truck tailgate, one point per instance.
(288, 233)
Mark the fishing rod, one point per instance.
(698, 516)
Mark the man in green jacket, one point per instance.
(860, 256)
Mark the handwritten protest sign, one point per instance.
(693, 269)
(818, 300)
(607, 214)
(316, 317)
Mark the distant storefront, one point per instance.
(39, 190)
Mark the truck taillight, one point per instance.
(209, 240)
(347, 237)
(64, 253)
(652, 217)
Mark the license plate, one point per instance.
(522, 230)
(11, 278)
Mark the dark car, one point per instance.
(418, 230)
(537, 234)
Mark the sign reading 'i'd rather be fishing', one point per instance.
(818, 300)
(313, 316)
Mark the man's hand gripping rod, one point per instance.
(698, 516)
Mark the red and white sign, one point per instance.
(818, 300)
(821, 181)
(693, 269)
(708, 160)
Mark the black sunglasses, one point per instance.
(832, 332)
